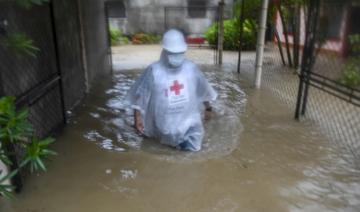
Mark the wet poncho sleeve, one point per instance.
(204, 91)
(140, 93)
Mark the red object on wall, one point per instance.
(195, 40)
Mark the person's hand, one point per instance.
(139, 126)
(138, 122)
(208, 115)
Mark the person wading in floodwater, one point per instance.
(169, 96)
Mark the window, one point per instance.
(197, 8)
(116, 9)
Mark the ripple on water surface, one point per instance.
(115, 131)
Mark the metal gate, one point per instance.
(35, 80)
(329, 80)
(312, 64)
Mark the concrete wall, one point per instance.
(149, 16)
(95, 39)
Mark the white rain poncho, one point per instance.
(170, 101)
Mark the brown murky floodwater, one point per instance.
(255, 158)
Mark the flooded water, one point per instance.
(255, 157)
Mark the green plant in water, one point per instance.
(36, 151)
(20, 43)
(16, 130)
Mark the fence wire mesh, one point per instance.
(330, 74)
(46, 72)
(31, 77)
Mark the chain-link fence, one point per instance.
(31, 72)
(331, 71)
(41, 62)
(311, 63)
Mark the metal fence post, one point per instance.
(308, 57)
(57, 61)
(260, 44)
(221, 31)
(241, 34)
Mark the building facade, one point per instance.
(192, 17)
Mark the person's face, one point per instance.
(175, 59)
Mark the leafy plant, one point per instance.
(232, 27)
(351, 74)
(354, 41)
(36, 150)
(231, 34)
(145, 38)
(251, 9)
(117, 38)
(16, 130)
(20, 43)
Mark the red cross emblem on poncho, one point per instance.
(176, 87)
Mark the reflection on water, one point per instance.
(255, 157)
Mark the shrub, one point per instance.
(351, 74)
(15, 130)
(144, 38)
(231, 34)
(117, 38)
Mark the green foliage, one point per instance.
(231, 34)
(16, 130)
(354, 41)
(117, 38)
(37, 150)
(13, 125)
(351, 74)
(27, 4)
(251, 9)
(5, 189)
(144, 38)
(232, 26)
(19, 43)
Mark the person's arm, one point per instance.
(208, 110)
(138, 122)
